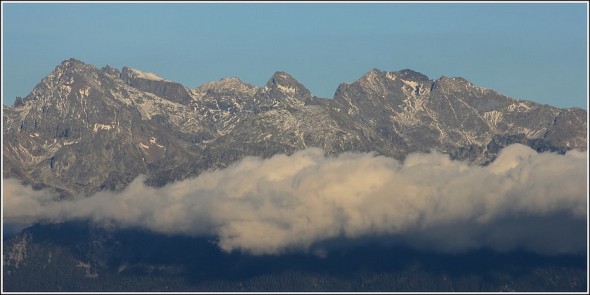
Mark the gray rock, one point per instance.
(82, 130)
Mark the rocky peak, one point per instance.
(71, 64)
(410, 75)
(229, 82)
(282, 85)
(372, 75)
(227, 85)
(111, 72)
(70, 76)
(376, 82)
(73, 68)
(375, 75)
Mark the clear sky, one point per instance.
(534, 51)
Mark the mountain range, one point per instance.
(83, 131)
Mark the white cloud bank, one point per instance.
(266, 206)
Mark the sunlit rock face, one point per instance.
(121, 180)
(84, 129)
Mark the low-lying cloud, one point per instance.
(524, 199)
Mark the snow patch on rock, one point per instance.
(98, 126)
(146, 75)
(287, 89)
(493, 117)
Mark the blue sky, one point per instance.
(534, 51)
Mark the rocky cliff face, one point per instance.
(84, 129)
(152, 83)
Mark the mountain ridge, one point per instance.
(408, 74)
(85, 133)
(114, 125)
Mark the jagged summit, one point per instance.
(111, 72)
(372, 74)
(71, 63)
(405, 74)
(410, 75)
(70, 77)
(227, 85)
(281, 84)
(230, 80)
(279, 76)
(71, 66)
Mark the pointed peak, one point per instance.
(111, 72)
(231, 82)
(234, 82)
(70, 65)
(69, 76)
(374, 72)
(71, 62)
(284, 85)
(69, 68)
(281, 77)
(281, 74)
